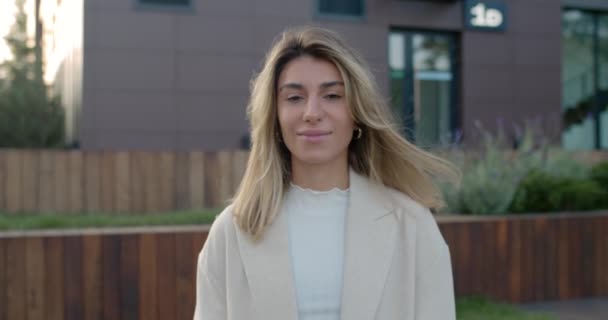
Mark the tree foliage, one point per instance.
(29, 116)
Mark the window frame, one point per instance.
(341, 16)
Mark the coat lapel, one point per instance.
(371, 233)
(269, 272)
(370, 237)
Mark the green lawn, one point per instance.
(61, 221)
(483, 309)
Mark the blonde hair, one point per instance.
(381, 154)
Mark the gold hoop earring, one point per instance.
(359, 133)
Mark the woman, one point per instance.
(332, 219)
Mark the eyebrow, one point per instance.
(323, 85)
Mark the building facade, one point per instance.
(175, 74)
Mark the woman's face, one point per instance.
(316, 124)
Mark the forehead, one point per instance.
(307, 70)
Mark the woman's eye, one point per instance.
(294, 98)
(333, 96)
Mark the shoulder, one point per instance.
(410, 211)
(222, 228)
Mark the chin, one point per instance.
(315, 158)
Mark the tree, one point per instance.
(29, 117)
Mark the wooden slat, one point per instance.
(604, 256)
(182, 180)
(527, 260)
(108, 182)
(138, 182)
(3, 284)
(587, 261)
(148, 285)
(3, 181)
(576, 250)
(72, 262)
(76, 183)
(152, 186)
(167, 181)
(15, 279)
(14, 181)
(564, 260)
(129, 282)
(239, 165)
(185, 282)
(46, 187)
(166, 276)
(92, 273)
(61, 182)
(502, 258)
(224, 178)
(212, 180)
(34, 250)
(551, 261)
(197, 180)
(92, 182)
(465, 263)
(111, 277)
(122, 189)
(54, 281)
(29, 174)
(539, 259)
(488, 273)
(477, 261)
(515, 245)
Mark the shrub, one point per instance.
(534, 193)
(599, 174)
(541, 191)
(580, 195)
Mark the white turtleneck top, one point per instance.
(316, 243)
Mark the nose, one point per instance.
(313, 111)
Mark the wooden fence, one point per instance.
(122, 182)
(150, 273)
(530, 258)
(125, 275)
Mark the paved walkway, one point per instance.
(585, 309)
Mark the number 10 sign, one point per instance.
(485, 15)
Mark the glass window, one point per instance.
(423, 85)
(166, 2)
(585, 79)
(602, 34)
(577, 80)
(341, 7)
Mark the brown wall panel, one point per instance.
(54, 281)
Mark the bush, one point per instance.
(489, 180)
(28, 119)
(581, 195)
(540, 191)
(599, 174)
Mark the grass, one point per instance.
(475, 308)
(70, 221)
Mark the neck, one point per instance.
(321, 177)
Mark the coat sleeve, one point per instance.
(210, 278)
(436, 289)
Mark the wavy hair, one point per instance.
(382, 154)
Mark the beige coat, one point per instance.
(396, 264)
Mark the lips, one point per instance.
(313, 133)
(313, 136)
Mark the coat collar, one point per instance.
(370, 234)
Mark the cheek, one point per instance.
(284, 119)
